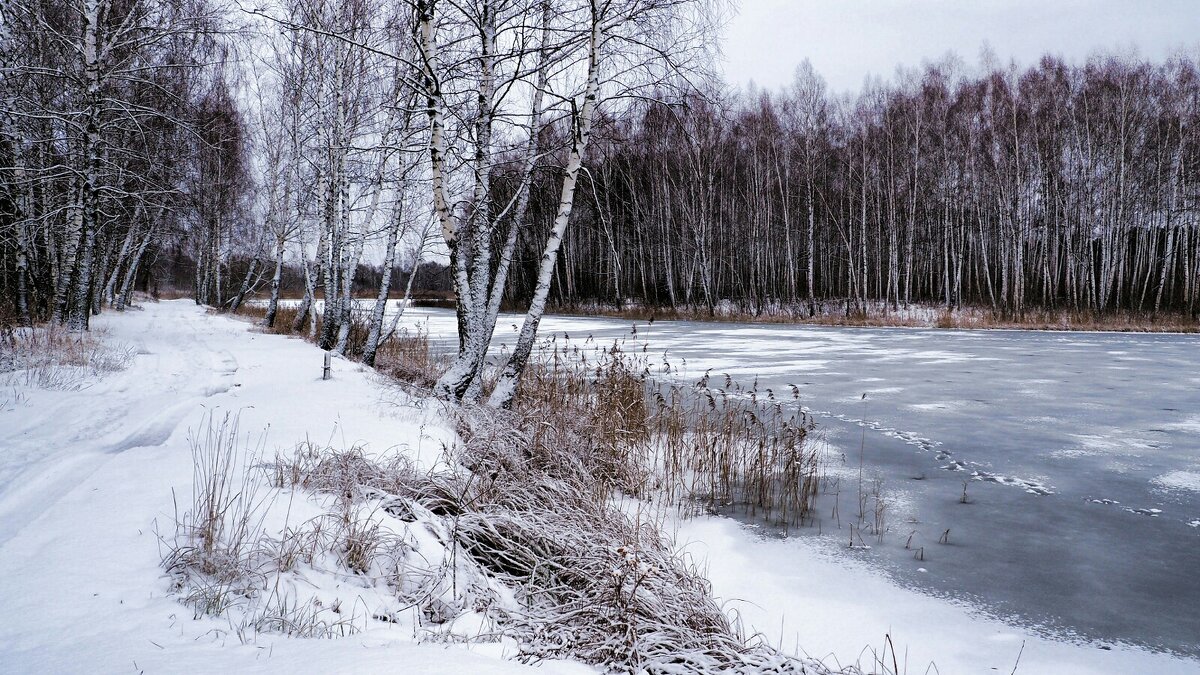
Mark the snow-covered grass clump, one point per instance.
(51, 357)
(514, 534)
(318, 543)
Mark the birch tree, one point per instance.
(91, 88)
(568, 51)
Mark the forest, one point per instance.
(1053, 186)
(340, 319)
(566, 154)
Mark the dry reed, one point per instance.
(879, 315)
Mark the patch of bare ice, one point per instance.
(1112, 441)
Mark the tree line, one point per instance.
(305, 135)
(1056, 186)
(564, 152)
(106, 107)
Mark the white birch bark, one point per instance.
(521, 206)
(375, 323)
(506, 387)
(22, 227)
(276, 279)
(110, 287)
(408, 287)
(350, 269)
(126, 294)
(80, 302)
(472, 265)
(248, 282)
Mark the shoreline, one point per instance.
(915, 316)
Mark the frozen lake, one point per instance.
(1081, 452)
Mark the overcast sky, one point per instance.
(848, 39)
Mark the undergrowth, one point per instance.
(542, 525)
(51, 357)
(492, 538)
(406, 355)
(716, 447)
(883, 315)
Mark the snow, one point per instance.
(795, 591)
(88, 480)
(1180, 480)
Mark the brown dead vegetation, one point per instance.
(1126, 321)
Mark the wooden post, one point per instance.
(328, 364)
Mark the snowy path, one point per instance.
(87, 478)
(50, 448)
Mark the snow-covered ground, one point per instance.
(88, 479)
(809, 597)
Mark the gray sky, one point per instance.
(848, 39)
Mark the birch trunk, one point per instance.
(276, 280)
(335, 218)
(506, 387)
(22, 225)
(472, 265)
(71, 240)
(130, 279)
(408, 287)
(80, 304)
(375, 324)
(307, 312)
(452, 227)
(247, 282)
(110, 288)
(351, 267)
(520, 208)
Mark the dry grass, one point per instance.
(527, 503)
(173, 294)
(230, 557)
(725, 449)
(52, 357)
(9, 318)
(592, 582)
(530, 502)
(966, 318)
(285, 316)
(216, 554)
(408, 356)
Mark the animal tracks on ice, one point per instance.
(1137, 511)
(978, 472)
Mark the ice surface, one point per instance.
(1043, 421)
(799, 591)
(1180, 480)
